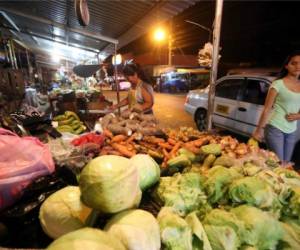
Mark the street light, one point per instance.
(160, 35)
(201, 26)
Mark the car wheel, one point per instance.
(200, 119)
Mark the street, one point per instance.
(168, 108)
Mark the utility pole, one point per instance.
(170, 50)
(215, 59)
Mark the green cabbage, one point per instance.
(182, 192)
(218, 217)
(222, 237)
(110, 184)
(253, 191)
(276, 182)
(63, 212)
(136, 229)
(289, 176)
(86, 238)
(218, 180)
(182, 234)
(175, 232)
(262, 229)
(291, 236)
(148, 169)
(292, 209)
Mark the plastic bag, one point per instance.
(22, 159)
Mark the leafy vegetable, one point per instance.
(63, 212)
(262, 229)
(110, 184)
(148, 169)
(182, 234)
(218, 180)
(292, 209)
(86, 238)
(182, 192)
(291, 236)
(253, 191)
(222, 237)
(219, 217)
(136, 229)
(175, 232)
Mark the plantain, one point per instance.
(72, 114)
(59, 118)
(65, 128)
(67, 121)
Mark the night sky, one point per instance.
(260, 33)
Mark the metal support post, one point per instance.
(215, 59)
(116, 79)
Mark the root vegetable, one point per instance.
(123, 150)
(165, 145)
(119, 138)
(117, 129)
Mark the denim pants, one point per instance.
(279, 142)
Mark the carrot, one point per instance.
(175, 149)
(153, 139)
(172, 141)
(131, 138)
(119, 138)
(166, 154)
(123, 150)
(107, 133)
(200, 142)
(165, 145)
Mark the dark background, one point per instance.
(256, 33)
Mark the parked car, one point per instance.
(238, 104)
(184, 80)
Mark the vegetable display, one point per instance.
(69, 122)
(203, 191)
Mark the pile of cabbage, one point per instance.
(244, 206)
(232, 205)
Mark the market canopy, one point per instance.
(52, 26)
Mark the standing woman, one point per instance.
(283, 105)
(140, 97)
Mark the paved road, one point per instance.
(168, 108)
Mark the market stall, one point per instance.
(130, 184)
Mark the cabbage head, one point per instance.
(181, 234)
(175, 232)
(262, 229)
(63, 212)
(148, 169)
(88, 239)
(292, 209)
(222, 237)
(253, 191)
(136, 229)
(289, 176)
(218, 180)
(291, 236)
(219, 217)
(182, 192)
(110, 184)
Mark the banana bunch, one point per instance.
(69, 122)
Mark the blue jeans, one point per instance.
(279, 142)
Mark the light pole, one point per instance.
(201, 26)
(160, 36)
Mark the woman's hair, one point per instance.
(283, 72)
(132, 68)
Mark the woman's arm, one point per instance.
(122, 103)
(148, 101)
(257, 134)
(293, 117)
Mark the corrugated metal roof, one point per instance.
(123, 20)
